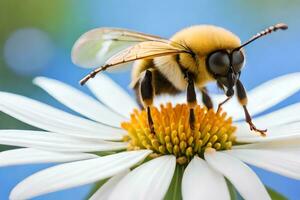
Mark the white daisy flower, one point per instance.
(141, 165)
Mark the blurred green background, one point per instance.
(36, 37)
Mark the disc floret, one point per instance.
(173, 135)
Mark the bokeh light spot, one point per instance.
(28, 51)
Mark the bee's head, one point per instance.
(225, 66)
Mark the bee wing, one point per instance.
(142, 50)
(94, 47)
(145, 50)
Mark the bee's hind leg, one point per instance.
(191, 99)
(147, 95)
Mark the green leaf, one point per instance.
(232, 191)
(6, 147)
(234, 195)
(174, 191)
(95, 187)
(275, 195)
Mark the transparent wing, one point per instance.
(94, 47)
(142, 50)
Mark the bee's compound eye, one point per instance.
(237, 60)
(219, 63)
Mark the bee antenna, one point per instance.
(92, 74)
(279, 26)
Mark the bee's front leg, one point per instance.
(147, 95)
(191, 99)
(222, 103)
(242, 97)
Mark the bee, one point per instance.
(187, 61)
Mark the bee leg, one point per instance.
(242, 97)
(206, 98)
(147, 95)
(191, 99)
(222, 103)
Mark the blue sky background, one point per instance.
(57, 24)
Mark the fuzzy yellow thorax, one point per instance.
(173, 134)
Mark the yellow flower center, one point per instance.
(173, 134)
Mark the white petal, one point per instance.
(75, 174)
(286, 163)
(280, 88)
(32, 156)
(48, 118)
(200, 181)
(105, 190)
(279, 142)
(148, 181)
(55, 142)
(273, 120)
(239, 174)
(112, 95)
(279, 117)
(274, 133)
(79, 102)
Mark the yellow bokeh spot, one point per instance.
(173, 135)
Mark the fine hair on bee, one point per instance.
(187, 61)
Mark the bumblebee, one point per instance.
(187, 61)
